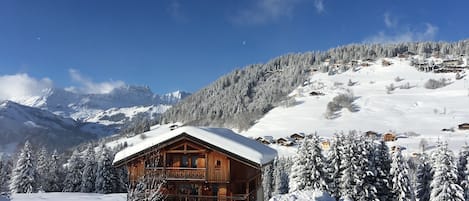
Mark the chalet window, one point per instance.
(194, 162)
(218, 164)
(185, 161)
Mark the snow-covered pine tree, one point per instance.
(267, 181)
(89, 170)
(383, 166)
(105, 172)
(463, 158)
(401, 186)
(423, 177)
(365, 171)
(73, 175)
(280, 177)
(42, 169)
(299, 176)
(465, 183)
(346, 182)
(445, 177)
(24, 175)
(318, 177)
(5, 171)
(333, 165)
(56, 174)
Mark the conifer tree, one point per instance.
(42, 169)
(280, 177)
(5, 172)
(365, 172)
(346, 184)
(73, 175)
(299, 169)
(445, 177)
(401, 186)
(56, 174)
(333, 165)
(383, 166)
(267, 181)
(24, 175)
(105, 173)
(89, 170)
(424, 177)
(318, 178)
(463, 158)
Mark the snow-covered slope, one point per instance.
(415, 113)
(19, 123)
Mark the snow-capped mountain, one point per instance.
(19, 123)
(60, 114)
(86, 106)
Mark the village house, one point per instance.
(297, 136)
(389, 137)
(464, 126)
(451, 62)
(285, 141)
(200, 164)
(265, 139)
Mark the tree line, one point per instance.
(359, 168)
(88, 171)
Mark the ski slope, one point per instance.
(413, 114)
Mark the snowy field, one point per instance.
(68, 197)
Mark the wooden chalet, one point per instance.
(200, 164)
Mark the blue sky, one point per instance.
(93, 46)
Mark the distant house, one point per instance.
(451, 62)
(265, 139)
(371, 134)
(297, 136)
(316, 93)
(389, 137)
(386, 63)
(464, 126)
(200, 164)
(326, 145)
(285, 141)
(174, 126)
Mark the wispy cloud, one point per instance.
(21, 86)
(388, 21)
(396, 33)
(265, 11)
(87, 86)
(319, 5)
(175, 11)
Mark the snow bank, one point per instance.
(303, 196)
(68, 197)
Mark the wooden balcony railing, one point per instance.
(177, 173)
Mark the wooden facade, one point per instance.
(196, 170)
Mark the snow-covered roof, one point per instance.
(222, 138)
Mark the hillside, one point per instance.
(392, 98)
(240, 98)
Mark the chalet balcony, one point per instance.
(180, 173)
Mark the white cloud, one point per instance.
(265, 11)
(388, 21)
(396, 33)
(319, 5)
(87, 86)
(21, 86)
